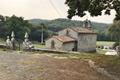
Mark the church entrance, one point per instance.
(52, 44)
(75, 46)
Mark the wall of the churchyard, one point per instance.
(87, 42)
(68, 46)
(58, 44)
(71, 33)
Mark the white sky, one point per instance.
(43, 9)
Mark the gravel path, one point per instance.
(15, 66)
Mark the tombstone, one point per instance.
(13, 41)
(8, 42)
(27, 45)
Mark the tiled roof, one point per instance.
(82, 30)
(64, 39)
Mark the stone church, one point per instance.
(82, 39)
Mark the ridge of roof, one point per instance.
(64, 39)
(82, 30)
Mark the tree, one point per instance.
(114, 31)
(94, 7)
(3, 29)
(18, 25)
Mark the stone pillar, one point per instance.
(8, 42)
(26, 35)
(27, 45)
(13, 41)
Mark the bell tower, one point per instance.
(87, 24)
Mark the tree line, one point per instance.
(20, 26)
(36, 28)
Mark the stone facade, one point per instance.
(68, 32)
(87, 42)
(53, 45)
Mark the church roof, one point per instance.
(82, 30)
(64, 39)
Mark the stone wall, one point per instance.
(58, 44)
(62, 32)
(71, 33)
(87, 42)
(68, 46)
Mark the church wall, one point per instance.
(87, 42)
(71, 33)
(62, 32)
(68, 46)
(57, 44)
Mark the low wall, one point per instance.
(3, 46)
(51, 51)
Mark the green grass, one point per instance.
(104, 43)
(39, 46)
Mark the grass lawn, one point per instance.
(104, 43)
(39, 46)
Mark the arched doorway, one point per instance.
(52, 44)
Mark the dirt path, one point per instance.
(41, 67)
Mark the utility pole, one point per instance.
(42, 34)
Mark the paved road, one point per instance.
(15, 66)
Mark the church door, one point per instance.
(52, 44)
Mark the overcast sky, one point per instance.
(44, 9)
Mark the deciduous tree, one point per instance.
(94, 7)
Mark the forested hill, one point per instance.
(58, 24)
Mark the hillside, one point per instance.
(58, 24)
